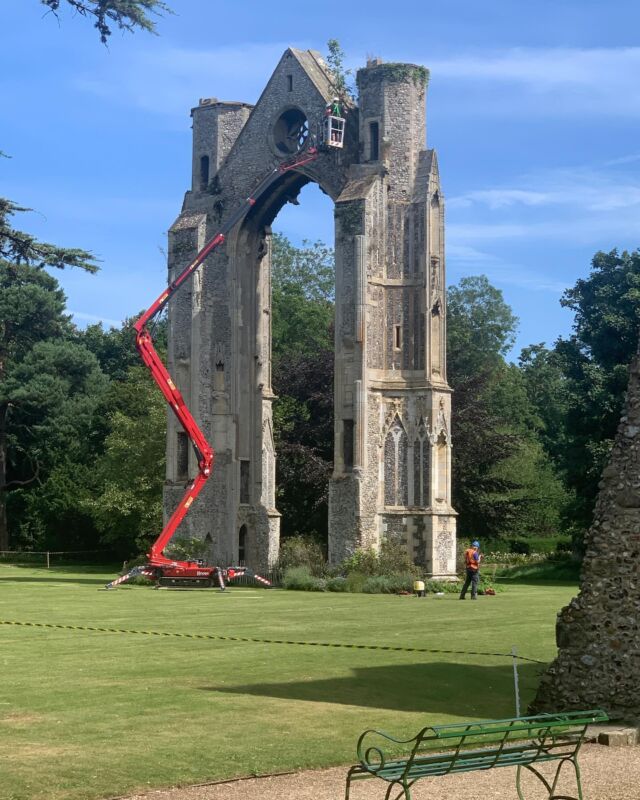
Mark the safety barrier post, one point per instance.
(516, 687)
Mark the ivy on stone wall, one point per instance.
(401, 72)
(349, 217)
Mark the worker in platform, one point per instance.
(472, 559)
(333, 109)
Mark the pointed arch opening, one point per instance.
(286, 278)
(242, 546)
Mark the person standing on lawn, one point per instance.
(472, 559)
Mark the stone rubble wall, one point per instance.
(598, 633)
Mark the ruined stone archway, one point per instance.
(390, 355)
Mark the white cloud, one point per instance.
(166, 80)
(614, 231)
(623, 160)
(577, 193)
(465, 254)
(499, 198)
(92, 205)
(580, 207)
(463, 259)
(541, 81)
(545, 67)
(583, 205)
(80, 315)
(170, 80)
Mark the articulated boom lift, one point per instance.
(167, 571)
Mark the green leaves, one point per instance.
(594, 363)
(302, 330)
(481, 327)
(125, 501)
(342, 78)
(126, 15)
(18, 248)
(302, 297)
(607, 308)
(503, 480)
(50, 399)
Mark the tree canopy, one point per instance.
(594, 364)
(32, 325)
(303, 282)
(503, 482)
(302, 297)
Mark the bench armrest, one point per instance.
(376, 748)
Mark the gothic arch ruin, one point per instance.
(392, 450)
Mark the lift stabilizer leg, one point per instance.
(133, 573)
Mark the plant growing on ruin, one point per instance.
(342, 78)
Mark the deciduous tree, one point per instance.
(303, 308)
(125, 496)
(302, 289)
(502, 481)
(595, 364)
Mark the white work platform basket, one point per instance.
(333, 131)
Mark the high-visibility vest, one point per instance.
(470, 560)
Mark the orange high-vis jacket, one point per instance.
(470, 559)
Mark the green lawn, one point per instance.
(90, 714)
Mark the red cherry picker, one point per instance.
(159, 567)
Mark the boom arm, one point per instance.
(159, 373)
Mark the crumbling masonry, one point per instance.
(598, 633)
(392, 455)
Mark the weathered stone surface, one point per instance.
(598, 633)
(392, 456)
(620, 737)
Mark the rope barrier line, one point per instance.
(251, 640)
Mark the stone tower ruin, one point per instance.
(392, 451)
(598, 633)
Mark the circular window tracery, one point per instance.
(290, 131)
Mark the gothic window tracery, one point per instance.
(395, 465)
(421, 457)
(442, 466)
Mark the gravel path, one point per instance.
(607, 774)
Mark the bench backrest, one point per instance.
(481, 745)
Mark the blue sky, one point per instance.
(533, 108)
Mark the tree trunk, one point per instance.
(4, 530)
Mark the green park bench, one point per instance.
(522, 742)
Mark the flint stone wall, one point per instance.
(390, 355)
(598, 633)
